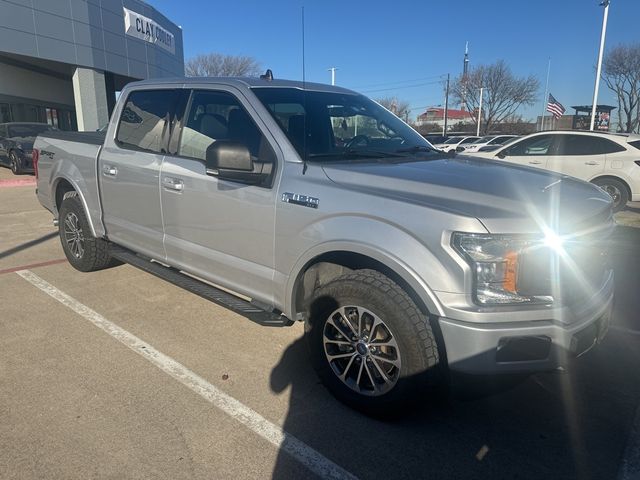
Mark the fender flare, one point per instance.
(399, 267)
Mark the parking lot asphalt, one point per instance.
(78, 401)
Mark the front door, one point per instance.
(531, 152)
(220, 230)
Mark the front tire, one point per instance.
(370, 344)
(84, 251)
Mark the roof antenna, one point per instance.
(268, 75)
(304, 105)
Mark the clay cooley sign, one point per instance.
(146, 29)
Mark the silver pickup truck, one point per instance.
(291, 202)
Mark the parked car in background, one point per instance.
(435, 139)
(16, 144)
(490, 140)
(611, 161)
(454, 143)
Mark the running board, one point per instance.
(252, 311)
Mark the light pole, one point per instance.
(479, 112)
(333, 74)
(605, 4)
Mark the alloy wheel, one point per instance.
(73, 235)
(361, 350)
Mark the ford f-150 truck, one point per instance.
(288, 201)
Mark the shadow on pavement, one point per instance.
(565, 424)
(29, 244)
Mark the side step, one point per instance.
(247, 309)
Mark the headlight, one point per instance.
(497, 262)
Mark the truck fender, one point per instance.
(391, 261)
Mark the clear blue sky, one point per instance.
(400, 45)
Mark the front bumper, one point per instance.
(526, 346)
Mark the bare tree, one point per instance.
(399, 108)
(621, 73)
(219, 65)
(503, 93)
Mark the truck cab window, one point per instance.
(144, 121)
(215, 116)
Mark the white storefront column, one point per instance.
(90, 95)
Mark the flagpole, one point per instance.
(545, 100)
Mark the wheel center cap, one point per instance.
(362, 348)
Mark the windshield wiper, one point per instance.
(353, 153)
(417, 148)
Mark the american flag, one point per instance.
(555, 107)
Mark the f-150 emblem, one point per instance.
(302, 200)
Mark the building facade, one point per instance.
(62, 61)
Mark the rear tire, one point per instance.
(14, 163)
(370, 344)
(84, 251)
(617, 191)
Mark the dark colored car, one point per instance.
(16, 144)
(433, 139)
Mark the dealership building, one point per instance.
(62, 61)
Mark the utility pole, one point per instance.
(446, 108)
(333, 74)
(605, 4)
(479, 113)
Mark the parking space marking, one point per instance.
(33, 265)
(274, 434)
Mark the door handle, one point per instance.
(174, 184)
(592, 163)
(109, 171)
(535, 162)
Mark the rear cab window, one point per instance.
(145, 120)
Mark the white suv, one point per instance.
(611, 161)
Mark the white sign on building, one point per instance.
(144, 28)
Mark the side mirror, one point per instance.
(231, 161)
(501, 154)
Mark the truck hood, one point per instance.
(506, 198)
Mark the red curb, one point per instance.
(33, 265)
(18, 182)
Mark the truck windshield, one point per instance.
(326, 126)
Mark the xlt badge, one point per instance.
(302, 200)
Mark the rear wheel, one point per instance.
(14, 163)
(370, 344)
(617, 190)
(84, 251)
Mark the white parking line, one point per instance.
(303, 453)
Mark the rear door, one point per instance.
(582, 156)
(129, 169)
